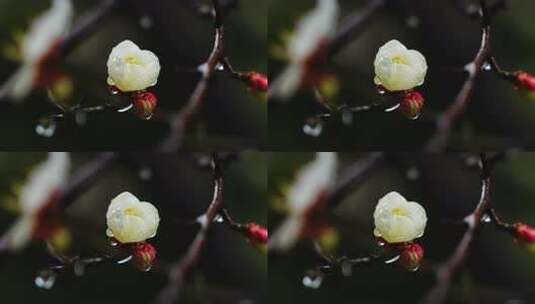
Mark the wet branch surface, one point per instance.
(181, 120)
(446, 271)
(179, 272)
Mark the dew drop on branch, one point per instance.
(219, 219)
(486, 66)
(313, 127)
(347, 268)
(46, 127)
(313, 282)
(486, 218)
(219, 67)
(45, 279)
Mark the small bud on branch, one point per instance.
(144, 104)
(525, 81)
(411, 104)
(257, 234)
(411, 256)
(524, 233)
(144, 256)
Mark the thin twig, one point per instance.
(181, 120)
(179, 271)
(447, 119)
(446, 271)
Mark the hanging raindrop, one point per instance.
(347, 117)
(313, 282)
(219, 219)
(486, 66)
(486, 218)
(347, 268)
(46, 127)
(313, 127)
(45, 279)
(79, 268)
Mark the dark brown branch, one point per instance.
(181, 120)
(447, 119)
(354, 25)
(179, 271)
(446, 271)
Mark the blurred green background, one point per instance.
(230, 116)
(229, 271)
(497, 117)
(496, 271)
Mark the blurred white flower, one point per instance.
(36, 194)
(309, 189)
(45, 33)
(313, 33)
(397, 220)
(131, 221)
(132, 69)
(399, 69)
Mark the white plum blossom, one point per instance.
(313, 32)
(42, 184)
(132, 69)
(399, 69)
(309, 189)
(45, 33)
(130, 220)
(397, 220)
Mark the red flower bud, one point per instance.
(144, 104)
(257, 82)
(411, 256)
(411, 104)
(257, 234)
(525, 81)
(143, 256)
(524, 233)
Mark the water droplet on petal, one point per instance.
(46, 127)
(381, 90)
(219, 219)
(45, 279)
(114, 90)
(313, 282)
(380, 242)
(313, 127)
(486, 66)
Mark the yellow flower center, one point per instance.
(398, 60)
